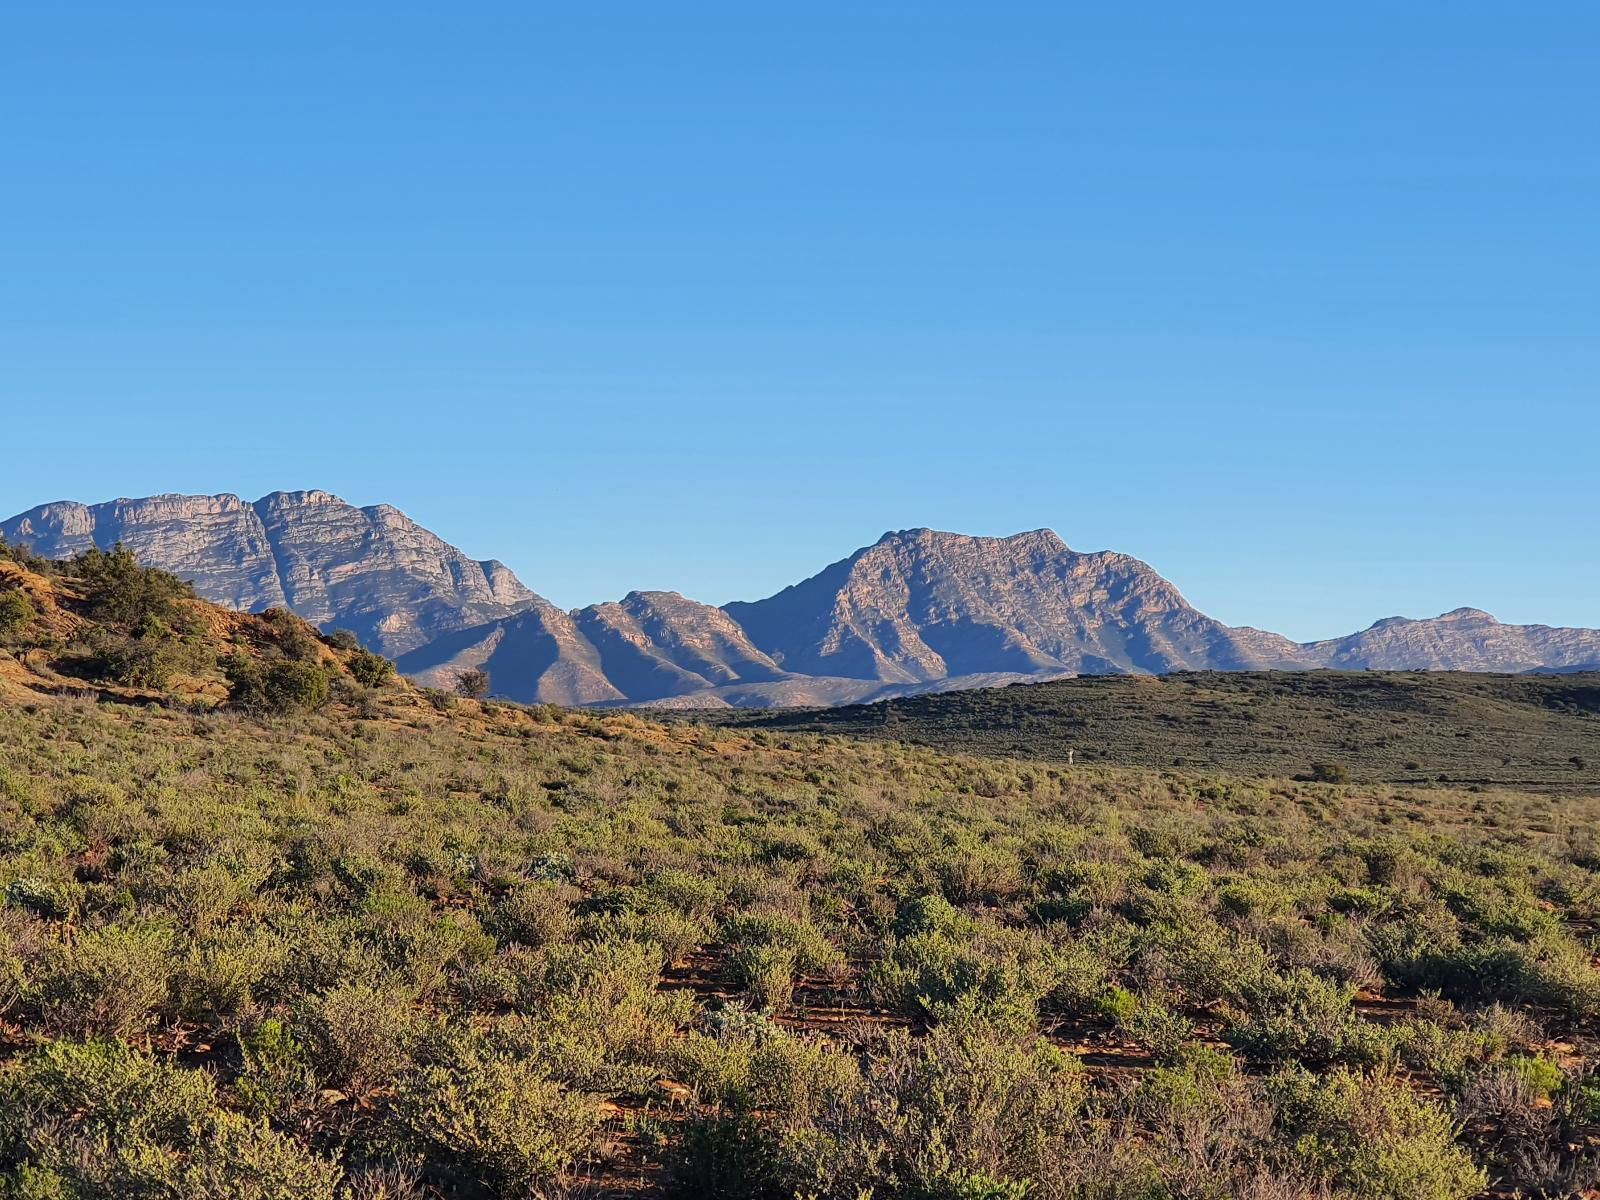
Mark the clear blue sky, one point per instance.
(1300, 303)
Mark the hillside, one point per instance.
(1538, 731)
(99, 624)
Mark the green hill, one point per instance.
(1527, 731)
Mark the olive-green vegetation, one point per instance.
(422, 950)
(101, 619)
(285, 927)
(1526, 731)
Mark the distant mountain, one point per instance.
(658, 644)
(535, 656)
(649, 646)
(1467, 639)
(917, 611)
(921, 605)
(826, 691)
(372, 570)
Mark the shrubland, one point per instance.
(1529, 732)
(404, 944)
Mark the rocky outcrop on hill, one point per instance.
(372, 570)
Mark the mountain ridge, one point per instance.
(917, 610)
(371, 569)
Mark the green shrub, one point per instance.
(1117, 1005)
(22, 554)
(220, 975)
(149, 657)
(369, 669)
(1168, 1034)
(277, 1073)
(1370, 1135)
(809, 948)
(726, 1156)
(122, 593)
(496, 1118)
(105, 982)
(1302, 1016)
(294, 638)
(532, 915)
(766, 973)
(1542, 1077)
(17, 615)
(279, 687)
(46, 900)
(357, 1036)
(1447, 1054)
(100, 1120)
(749, 1065)
(117, 1091)
(421, 945)
(239, 1159)
(969, 1106)
(1324, 772)
(591, 1012)
(947, 965)
(471, 684)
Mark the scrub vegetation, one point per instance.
(373, 941)
(1530, 732)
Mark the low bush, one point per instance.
(495, 1119)
(97, 1119)
(1371, 1136)
(1300, 1016)
(276, 687)
(369, 669)
(971, 1106)
(106, 982)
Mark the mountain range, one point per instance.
(918, 610)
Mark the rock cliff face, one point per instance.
(921, 605)
(918, 610)
(372, 570)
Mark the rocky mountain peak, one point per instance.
(920, 605)
(925, 540)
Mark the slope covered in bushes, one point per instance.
(102, 624)
(1525, 731)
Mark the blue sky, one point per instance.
(1301, 304)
